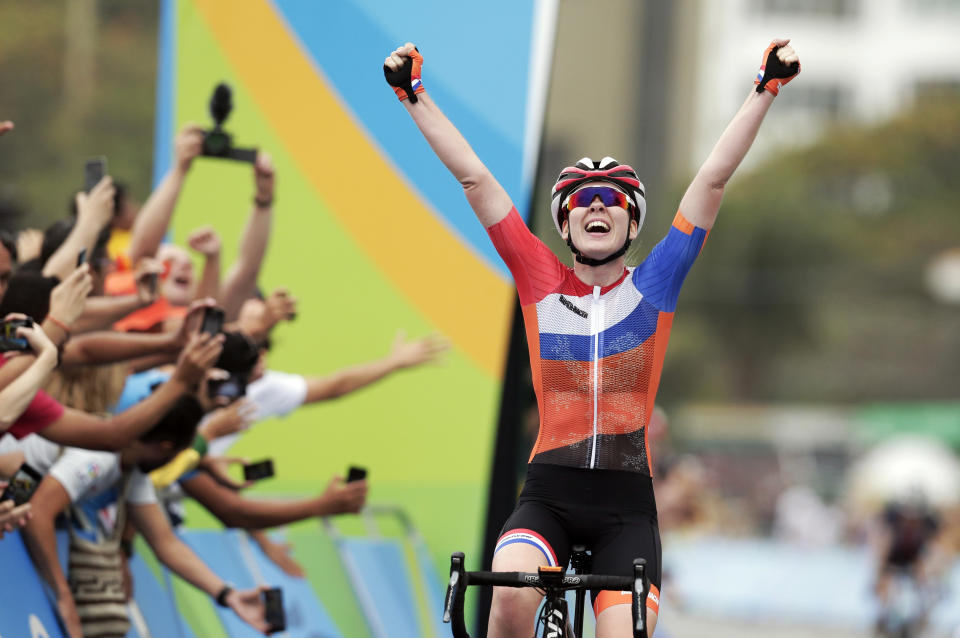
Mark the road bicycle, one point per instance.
(554, 582)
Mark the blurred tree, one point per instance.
(41, 161)
(811, 286)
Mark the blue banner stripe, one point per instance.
(356, 78)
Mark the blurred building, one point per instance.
(654, 83)
(863, 60)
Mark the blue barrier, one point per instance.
(240, 562)
(381, 580)
(222, 557)
(25, 610)
(155, 603)
(306, 615)
(378, 568)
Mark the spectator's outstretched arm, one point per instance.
(15, 398)
(179, 558)
(487, 197)
(241, 281)
(101, 312)
(279, 553)
(701, 202)
(47, 502)
(79, 429)
(206, 241)
(279, 306)
(233, 510)
(94, 212)
(29, 244)
(10, 462)
(106, 346)
(404, 354)
(153, 221)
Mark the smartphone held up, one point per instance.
(9, 341)
(93, 171)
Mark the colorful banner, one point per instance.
(370, 231)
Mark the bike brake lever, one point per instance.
(639, 598)
(452, 588)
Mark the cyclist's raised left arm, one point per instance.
(487, 197)
(701, 202)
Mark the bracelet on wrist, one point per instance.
(221, 598)
(60, 325)
(263, 203)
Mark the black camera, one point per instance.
(217, 142)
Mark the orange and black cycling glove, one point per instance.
(406, 80)
(773, 73)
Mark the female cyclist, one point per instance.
(597, 335)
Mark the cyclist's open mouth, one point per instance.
(598, 226)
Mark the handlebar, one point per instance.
(461, 579)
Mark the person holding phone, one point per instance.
(180, 285)
(597, 336)
(88, 483)
(17, 396)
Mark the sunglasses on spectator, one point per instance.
(609, 196)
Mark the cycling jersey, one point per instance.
(596, 353)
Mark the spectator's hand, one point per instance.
(234, 418)
(215, 402)
(29, 244)
(39, 341)
(69, 297)
(218, 468)
(248, 605)
(281, 306)
(187, 146)
(192, 320)
(264, 177)
(406, 354)
(96, 207)
(279, 553)
(199, 356)
(6, 126)
(344, 498)
(12, 516)
(205, 241)
(147, 276)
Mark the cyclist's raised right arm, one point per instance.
(487, 197)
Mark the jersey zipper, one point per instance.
(596, 323)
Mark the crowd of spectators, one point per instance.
(126, 376)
